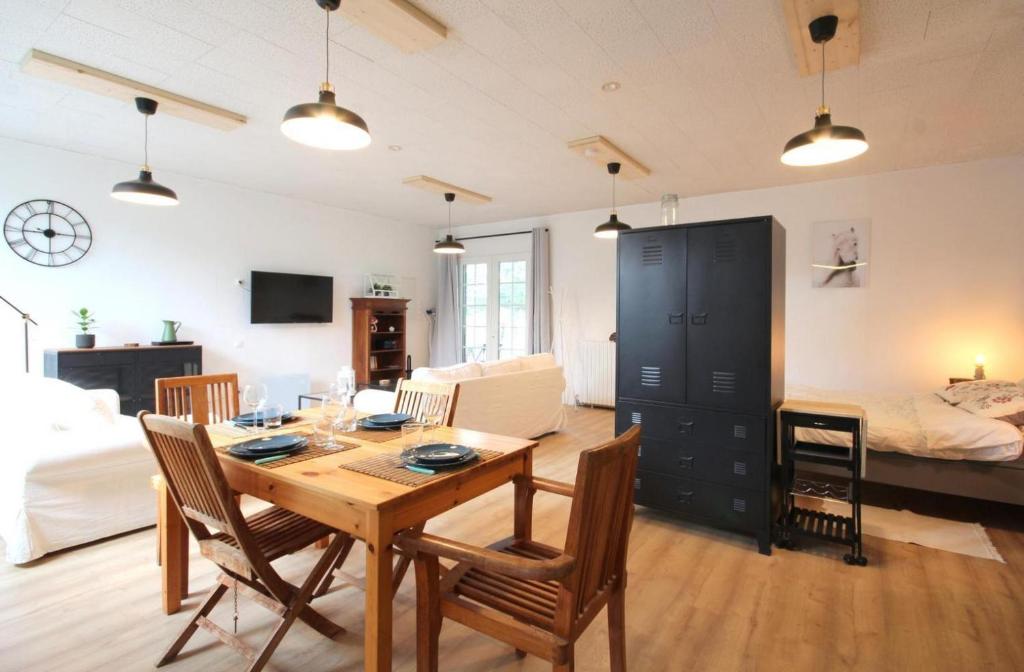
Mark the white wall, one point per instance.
(150, 264)
(946, 273)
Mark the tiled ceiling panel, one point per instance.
(709, 94)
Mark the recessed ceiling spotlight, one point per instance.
(611, 86)
(395, 148)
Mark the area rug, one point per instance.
(912, 528)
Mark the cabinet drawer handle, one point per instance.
(676, 318)
(685, 497)
(699, 318)
(686, 462)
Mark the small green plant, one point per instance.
(84, 319)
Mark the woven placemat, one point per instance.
(374, 435)
(390, 468)
(308, 453)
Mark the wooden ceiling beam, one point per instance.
(602, 151)
(843, 50)
(436, 186)
(87, 78)
(396, 21)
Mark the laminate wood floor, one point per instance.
(698, 599)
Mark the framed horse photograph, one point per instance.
(839, 253)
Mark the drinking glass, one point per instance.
(255, 396)
(432, 419)
(273, 415)
(412, 434)
(330, 412)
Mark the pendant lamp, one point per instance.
(824, 143)
(144, 190)
(324, 124)
(613, 226)
(449, 245)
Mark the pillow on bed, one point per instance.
(959, 392)
(1001, 403)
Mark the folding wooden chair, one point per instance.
(537, 598)
(243, 548)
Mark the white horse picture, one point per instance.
(840, 253)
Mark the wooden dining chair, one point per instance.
(199, 399)
(537, 598)
(423, 399)
(243, 548)
(420, 399)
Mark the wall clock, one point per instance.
(47, 233)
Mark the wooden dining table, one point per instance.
(369, 508)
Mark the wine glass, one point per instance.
(331, 410)
(255, 396)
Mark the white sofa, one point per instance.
(76, 470)
(514, 397)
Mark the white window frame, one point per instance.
(493, 262)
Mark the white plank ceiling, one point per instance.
(710, 93)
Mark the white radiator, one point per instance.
(594, 375)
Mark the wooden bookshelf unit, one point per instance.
(378, 355)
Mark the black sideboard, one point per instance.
(129, 371)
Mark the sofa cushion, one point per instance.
(542, 360)
(447, 374)
(501, 366)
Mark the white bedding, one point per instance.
(919, 424)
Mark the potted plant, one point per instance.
(85, 321)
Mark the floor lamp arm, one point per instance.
(26, 318)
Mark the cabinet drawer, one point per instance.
(734, 507)
(815, 421)
(94, 358)
(697, 427)
(690, 459)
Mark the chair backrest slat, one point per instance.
(421, 398)
(203, 400)
(599, 525)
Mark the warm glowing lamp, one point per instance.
(979, 367)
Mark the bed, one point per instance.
(75, 469)
(921, 441)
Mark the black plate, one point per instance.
(440, 453)
(388, 419)
(269, 445)
(246, 418)
(408, 458)
(384, 428)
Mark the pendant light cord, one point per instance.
(613, 193)
(449, 218)
(145, 141)
(823, 73)
(327, 48)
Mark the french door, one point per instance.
(495, 307)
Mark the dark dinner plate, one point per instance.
(387, 419)
(246, 418)
(268, 445)
(443, 454)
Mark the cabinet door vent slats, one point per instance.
(739, 505)
(725, 248)
(739, 468)
(739, 431)
(650, 376)
(652, 255)
(723, 382)
(636, 417)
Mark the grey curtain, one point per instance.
(446, 339)
(540, 283)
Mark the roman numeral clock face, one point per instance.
(47, 233)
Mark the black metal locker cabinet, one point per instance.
(726, 333)
(703, 304)
(652, 311)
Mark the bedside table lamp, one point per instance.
(979, 367)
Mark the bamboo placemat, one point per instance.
(308, 453)
(374, 435)
(390, 468)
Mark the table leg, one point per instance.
(379, 554)
(173, 554)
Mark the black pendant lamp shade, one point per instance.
(449, 245)
(324, 124)
(144, 190)
(824, 143)
(613, 226)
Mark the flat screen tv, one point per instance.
(281, 298)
